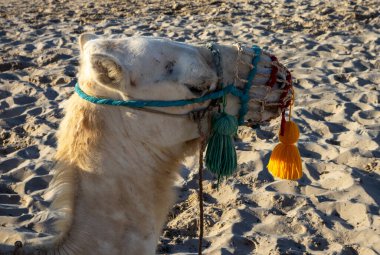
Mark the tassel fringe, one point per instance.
(285, 161)
(221, 156)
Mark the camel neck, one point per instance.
(124, 193)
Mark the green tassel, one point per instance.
(221, 153)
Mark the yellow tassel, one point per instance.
(285, 161)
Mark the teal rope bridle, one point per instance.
(243, 95)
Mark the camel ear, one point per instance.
(108, 71)
(84, 38)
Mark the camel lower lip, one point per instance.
(195, 90)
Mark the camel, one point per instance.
(113, 181)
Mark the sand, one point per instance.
(332, 49)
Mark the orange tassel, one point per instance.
(285, 161)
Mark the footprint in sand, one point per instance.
(10, 199)
(354, 213)
(20, 174)
(13, 112)
(318, 243)
(36, 183)
(31, 152)
(367, 117)
(337, 180)
(23, 99)
(36, 111)
(289, 246)
(12, 210)
(4, 94)
(9, 76)
(9, 164)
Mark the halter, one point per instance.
(220, 93)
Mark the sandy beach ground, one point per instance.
(332, 49)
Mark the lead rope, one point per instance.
(200, 183)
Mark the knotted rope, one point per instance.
(200, 184)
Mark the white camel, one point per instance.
(113, 183)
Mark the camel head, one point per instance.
(146, 68)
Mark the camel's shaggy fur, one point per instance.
(116, 166)
(133, 187)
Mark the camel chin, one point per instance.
(116, 166)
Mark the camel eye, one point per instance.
(169, 67)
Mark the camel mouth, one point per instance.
(197, 90)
